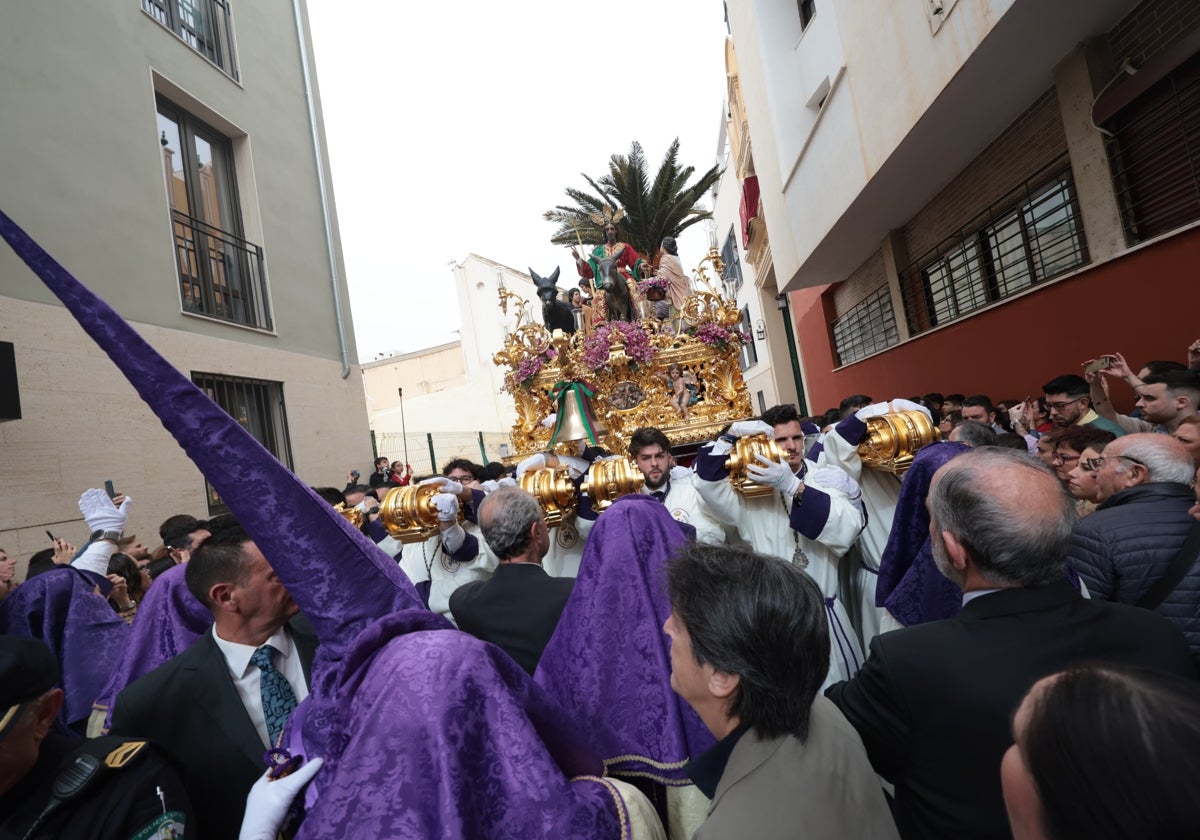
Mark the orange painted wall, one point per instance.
(1145, 305)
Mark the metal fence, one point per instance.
(429, 452)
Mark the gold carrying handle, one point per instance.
(893, 440)
(745, 452)
(352, 514)
(554, 491)
(409, 514)
(609, 480)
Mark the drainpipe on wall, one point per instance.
(334, 280)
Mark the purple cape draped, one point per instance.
(169, 619)
(609, 662)
(910, 585)
(360, 604)
(63, 608)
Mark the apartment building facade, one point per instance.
(171, 155)
(974, 196)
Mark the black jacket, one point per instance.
(1128, 543)
(190, 707)
(516, 610)
(934, 702)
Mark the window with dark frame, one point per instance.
(807, 9)
(1154, 151)
(1033, 234)
(732, 275)
(204, 25)
(221, 274)
(868, 327)
(257, 405)
(748, 354)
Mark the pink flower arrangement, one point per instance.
(531, 366)
(714, 335)
(661, 283)
(637, 344)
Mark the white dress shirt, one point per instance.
(246, 675)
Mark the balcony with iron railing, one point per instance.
(220, 275)
(204, 25)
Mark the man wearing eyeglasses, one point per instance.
(1069, 404)
(1131, 541)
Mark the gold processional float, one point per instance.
(609, 379)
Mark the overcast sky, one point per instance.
(452, 126)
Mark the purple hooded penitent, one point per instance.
(609, 662)
(393, 762)
(169, 619)
(910, 585)
(68, 609)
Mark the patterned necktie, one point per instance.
(278, 699)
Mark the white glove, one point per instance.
(830, 478)
(100, 513)
(872, 410)
(745, 428)
(447, 486)
(533, 462)
(775, 474)
(549, 422)
(447, 505)
(681, 474)
(909, 405)
(576, 466)
(508, 481)
(719, 447)
(490, 486)
(268, 802)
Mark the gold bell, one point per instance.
(554, 491)
(609, 480)
(893, 439)
(409, 514)
(575, 416)
(745, 452)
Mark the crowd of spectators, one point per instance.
(1000, 644)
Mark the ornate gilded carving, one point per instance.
(746, 451)
(409, 514)
(554, 490)
(893, 439)
(630, 393)
(609, 480)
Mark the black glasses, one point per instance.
(1062, 457)
(1059, 406)
(1093, 464)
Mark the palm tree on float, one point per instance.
(653, 210)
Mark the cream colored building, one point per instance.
(453, 392)
(944, 183)
(171, 155)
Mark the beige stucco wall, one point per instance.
(456, 388)
(81, 170)
(83, 423)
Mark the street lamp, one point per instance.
(403, 425)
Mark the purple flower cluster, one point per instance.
(662, 283)
(637, 344)
(531, 366)
(714, 335)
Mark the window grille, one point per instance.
(869, 326)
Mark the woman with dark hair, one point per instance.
(1104, 753)
(130, 582)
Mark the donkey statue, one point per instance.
(616, 292)
(556, 314)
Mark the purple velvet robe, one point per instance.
(910, 585)
(68, 609)
(168, 620)
(364, 610)
(609, 662)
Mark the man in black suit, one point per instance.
(933, 702)
(220, 704)
(519, 607)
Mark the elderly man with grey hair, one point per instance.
(519, 607)
(1135, 537)
(933, 702)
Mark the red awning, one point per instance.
(749, 207)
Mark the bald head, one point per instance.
(1008, 511)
